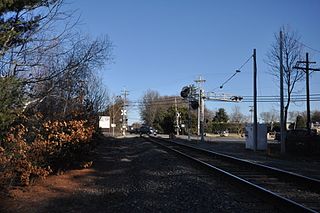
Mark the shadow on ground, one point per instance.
(133, 175)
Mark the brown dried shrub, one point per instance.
(35, 152)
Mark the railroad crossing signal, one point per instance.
(236, 98)
(123, 112)
(185, 92)
(188, 92)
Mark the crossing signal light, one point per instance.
(185, 92)
(194, 104)
(236, 98)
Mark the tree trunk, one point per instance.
(285, 116)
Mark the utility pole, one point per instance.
(189, 121)
(177, 116)
(200, 108)
(282, 124)
(202, 114)
(124, 112)
(307, 69)
(255, 116)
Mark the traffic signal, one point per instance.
(185, 92)
(236, 98)
(194, 104)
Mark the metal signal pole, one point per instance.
(189, 122)
(177, 116)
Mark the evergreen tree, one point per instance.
(15, 26)
(221, 116)
(11, 98)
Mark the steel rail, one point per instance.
(313, 184)
(282, 202)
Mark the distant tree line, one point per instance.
(160, 112)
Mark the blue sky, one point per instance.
(164, 45)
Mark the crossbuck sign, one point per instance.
(123, 112)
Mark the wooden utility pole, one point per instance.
(282, 124)
(307, 69)
(308, 95)
(255, 116)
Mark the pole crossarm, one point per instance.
(303, 68)
(306, 69)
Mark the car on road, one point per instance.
(133, 130)
(224, 133)
(147, 130)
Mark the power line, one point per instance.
(236, 72)
(276, 96)
(313, 49)
(171, 99)
(246, 99)
(245, 62)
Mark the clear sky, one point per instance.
(164, 45)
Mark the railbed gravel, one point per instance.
(134, 175)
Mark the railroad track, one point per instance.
(287, 190)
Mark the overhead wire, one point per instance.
(313, 49)
(236, 72)
(247, 99)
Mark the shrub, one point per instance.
(35, 152)
(299, 142)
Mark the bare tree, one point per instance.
(237, 116)
(238, 119)
(148, 106)
(39, 46)
(76, 86)
(292, 52)
(269, 117)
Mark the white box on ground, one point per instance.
(261, 138)
(104, 122)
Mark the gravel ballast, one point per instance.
(134, 175)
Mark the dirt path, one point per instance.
(132, 175)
